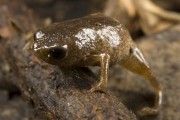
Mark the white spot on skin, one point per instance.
(88, 36)
(65, 46)
(85, 36)
(46, 47)
(139, 55)
(36, 49)
(35, 45)
(43, 47)
(39, 34)
(111, 34)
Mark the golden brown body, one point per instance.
(94, 40)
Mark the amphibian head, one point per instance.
(46, 47)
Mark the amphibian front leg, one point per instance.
(104, 62)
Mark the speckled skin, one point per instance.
(92, 28)
(94, 40)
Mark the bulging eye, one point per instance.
(57, 53)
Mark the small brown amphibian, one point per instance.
(94, 40)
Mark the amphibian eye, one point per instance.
(57, 53)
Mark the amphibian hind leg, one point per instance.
(136, 63)
(158, 100)
(104, 62)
